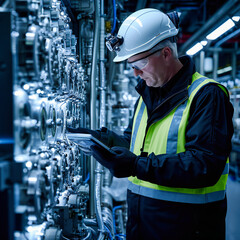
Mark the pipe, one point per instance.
(215, 65)
(98, 171)
(102, 95)
(114, 17)
(202, 57)
(93, 100)
(141, 4)
(98, 181)
(102, 70)
(224, 11)
(231, 35)
(234, 63)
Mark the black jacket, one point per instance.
(208, 143)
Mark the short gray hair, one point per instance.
(166, 43)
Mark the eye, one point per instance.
(136, 68)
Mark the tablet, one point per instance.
(85, 141)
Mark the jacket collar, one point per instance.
(178, 82)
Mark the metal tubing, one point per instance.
(98, 171)
(202, 58)
(215, 65)
(98, 181)
(102, 70)
(231, 35)
(225, 10)
(93, 101)
(234, 63)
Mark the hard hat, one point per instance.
(141, 31)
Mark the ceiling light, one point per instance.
(223, 70)
(196, 48)
(204, 42)
(221, 29)
(236, 18)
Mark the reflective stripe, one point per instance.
(195, 84)
(173, 130)
(176, 196)
(226, 169)
(137, 124)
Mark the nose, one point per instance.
(137, 72)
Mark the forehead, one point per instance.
(138, 56)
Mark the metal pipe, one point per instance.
(93, 94)
(225, 10)
(215, 65)
(234, 63)
(141, 4)
(231, 35)
(99, 168)
(202, 58)
(102, 70)
(102, 94)
(98, 183)
(98, 171)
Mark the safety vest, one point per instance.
(167, 136)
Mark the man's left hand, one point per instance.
(121, 163)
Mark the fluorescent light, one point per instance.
(221, 29)
(236, 18)
(204, 42)
(223, 70)
(196, 48)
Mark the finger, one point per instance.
(119, 150)
(100, 157)
(99, 150)
(95, 148)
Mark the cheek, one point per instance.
(149, 70)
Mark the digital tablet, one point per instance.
(85, 141)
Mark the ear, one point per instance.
(167, 52)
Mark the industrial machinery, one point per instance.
(53, 75)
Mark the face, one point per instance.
(149, 67)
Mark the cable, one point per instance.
(109, 233)
(87, 178)
(65, 238)
(120, 235)
(24, 234)
(114, 222)
(114, 17)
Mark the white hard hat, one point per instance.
(141, 31)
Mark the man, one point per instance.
(177, 162)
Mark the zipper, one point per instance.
(149, 125)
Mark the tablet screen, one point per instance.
(85, 141)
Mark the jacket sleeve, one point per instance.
(208, 144)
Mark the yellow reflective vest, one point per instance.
(167, 136)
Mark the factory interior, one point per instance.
(56, 72)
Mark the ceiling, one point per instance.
(194, 15)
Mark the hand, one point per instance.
(99, 134)
(121, 163)
(95, 134)
(105, 135)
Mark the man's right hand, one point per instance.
(104, 135)
(100, 134)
